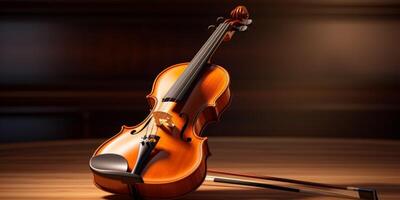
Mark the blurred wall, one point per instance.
(81, 69)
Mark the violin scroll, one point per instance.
(239, 21)
(240, 18)
(240, 13)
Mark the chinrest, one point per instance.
(113, 166)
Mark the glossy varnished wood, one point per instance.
(176, 167)
(59, 170)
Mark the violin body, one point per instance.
(165, 156)
(177, 165)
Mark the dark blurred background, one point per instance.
(306, 68)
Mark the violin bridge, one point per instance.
(163, 119)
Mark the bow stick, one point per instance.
(361, 193)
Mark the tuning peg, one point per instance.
(220, 19)
(247, 22)
(211, 27)
(241, 28)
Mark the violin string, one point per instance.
(210, 50)
(197, 59)
(194, 62)
(213, 44)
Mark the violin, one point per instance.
(165, 156)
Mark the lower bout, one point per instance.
(174, 189)
(155, 191)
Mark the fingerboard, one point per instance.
(186, 81)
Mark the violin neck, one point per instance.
(182, 87)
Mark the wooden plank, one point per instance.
(59, 169)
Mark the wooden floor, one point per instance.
(59, 170)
